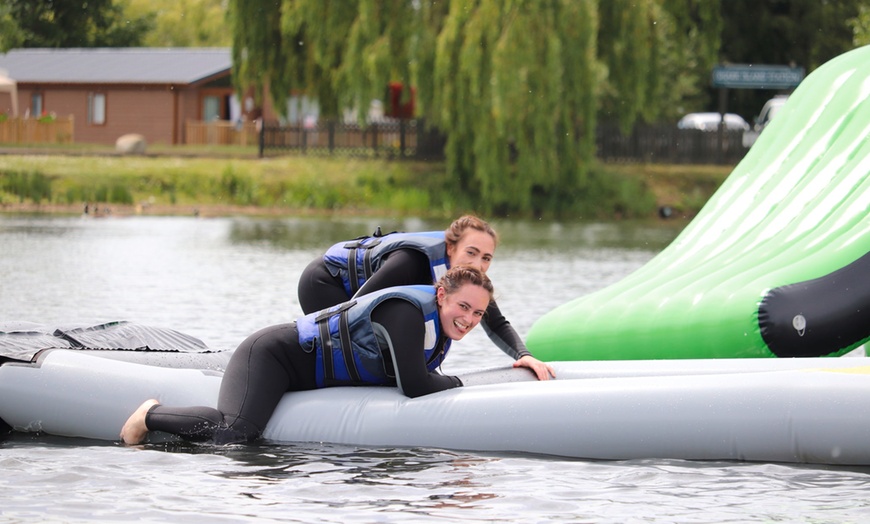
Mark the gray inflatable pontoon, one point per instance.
(810, 410)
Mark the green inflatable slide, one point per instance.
(776, 264)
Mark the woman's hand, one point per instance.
(543, 370)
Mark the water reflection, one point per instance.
(358, 465)
(318, 233)
(416, 480)
(89, 480)
(302, 233)
(534, 235)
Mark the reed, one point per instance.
(293, 184)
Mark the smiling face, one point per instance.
(461, 310)
(475, 248)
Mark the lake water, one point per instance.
(221, 279)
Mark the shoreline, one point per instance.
(127, 210)
(175, 210)
(208, 185)
(230, 211)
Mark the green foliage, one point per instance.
(385, 191)
(240, 188)
(802, 34)
(658, 55)
(376, 53)
(302, 184)
(72, 23)
(11, 35)
(515, 86)
(229, 186)
(860, 26)
(112, 193)
(627, 46)
(104, 191)
(609, 195)
(182, 23)
(807, 34)
(26, 185)
(313, 192)
(260, 49)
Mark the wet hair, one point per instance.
(458, 276)
(463, 223)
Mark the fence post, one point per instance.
(401, 138)
(261, 132)
(330, 126)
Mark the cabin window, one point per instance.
(211, 108)
(36, 104)
(97, 109)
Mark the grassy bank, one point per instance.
(222, 183)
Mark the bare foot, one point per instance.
(134, 429)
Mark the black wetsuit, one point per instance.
(318, 289)
(271, 362)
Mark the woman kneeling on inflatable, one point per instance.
(400, 337)
(368, 264)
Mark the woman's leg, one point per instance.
(265, 366)
(318, 289)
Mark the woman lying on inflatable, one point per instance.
(397, 336)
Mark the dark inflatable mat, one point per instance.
(22, 341)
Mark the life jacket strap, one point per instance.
(347, 348)
(326, 351)
(326, 313)
(353, 246)
(322, 321)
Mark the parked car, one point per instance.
(770, 109)
(710, 122)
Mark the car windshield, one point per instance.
(770, 109)
(774, 109)
(710, 121)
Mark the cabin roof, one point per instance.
(132, 65)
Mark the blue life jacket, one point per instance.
(351, 351)
(357, 260)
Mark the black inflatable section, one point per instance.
(818, 317)
(22, 341)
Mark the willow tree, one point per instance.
(514, 89)
(259, 50)
(513, 84)
(689, 32)
(378, 51)
(510, 84)
(657, 54)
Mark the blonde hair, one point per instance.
(459, 226)
(458, 276)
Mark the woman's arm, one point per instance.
(403, 324)
(502, 333)
(508, 340)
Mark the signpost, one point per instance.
(757, 76)
(751, 76)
